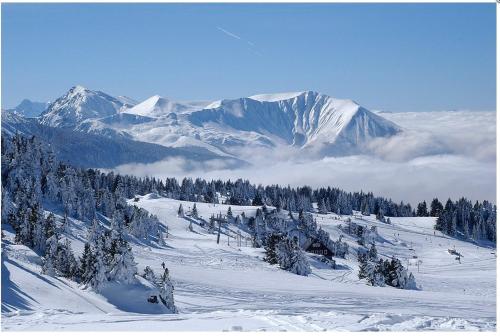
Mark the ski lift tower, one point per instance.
(219, 220)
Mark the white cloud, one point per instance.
(443, 154)
(472, 134)
(412, 181)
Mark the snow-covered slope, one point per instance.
(229, 287)
(80, 104)
(317, 123)
(95, 145)
(127, 101)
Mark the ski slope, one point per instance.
(227, 286)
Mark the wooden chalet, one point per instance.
(319, 248)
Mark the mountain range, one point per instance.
(29, 109)
(315, 124)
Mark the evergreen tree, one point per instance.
(378, 276)
(372, 253)
(180, 212)
(380, 215)
(48, 266)
(363, 265)
(436, 208)
(422, 209)
(291, 258)
(322, 207)
(167, 292)
(87, 261)
(123, 267)
(99, 277)
(211, 224)
(194, 213)
(50, 225)
(66, 263)
(270, 248)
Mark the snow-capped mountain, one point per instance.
(313, 122)
(157, 106)
(80, 104)
(98, 150)
(302, 119)
(29, 109)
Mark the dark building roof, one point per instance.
(317, 247)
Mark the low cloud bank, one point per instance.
(472, 134)
(413, 181)
(440, 154)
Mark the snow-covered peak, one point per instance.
(157, 106)
(29, 109)
(78, 89)
(328, 125)
(272, 97)
(214, 104)
(301, 119)
(80, 104)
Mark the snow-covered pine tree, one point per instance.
(39, 238)
(167, 292)
(363, 272)
(95, 231)
(322, 207)
(380, 215)
(372, 253)
(436, 208)
(48, 266)
(123, 267)
(99, 277)
(7, 206)
(66, 263)
(378, 274)
(270, 247)
(211, 224)
(291, 257)
(87, 261)
(50, 226)
(422, 209)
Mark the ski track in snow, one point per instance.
(229, 288)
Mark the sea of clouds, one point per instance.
(439, 154)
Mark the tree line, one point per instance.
(462, 218)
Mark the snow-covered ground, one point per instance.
(228, 287)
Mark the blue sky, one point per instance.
(398, 57)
